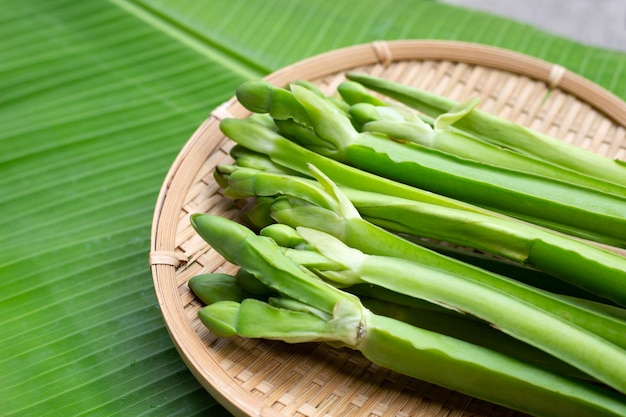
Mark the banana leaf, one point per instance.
(96, 100)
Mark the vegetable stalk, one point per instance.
(282, 151)
(443, 136)
(513, 316)
(595, 270)
(552, 203)
(501, 131)
(391, 343)
(330, 210)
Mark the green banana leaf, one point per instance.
(96, 100)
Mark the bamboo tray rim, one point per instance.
(164, 258)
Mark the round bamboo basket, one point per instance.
(267, 378)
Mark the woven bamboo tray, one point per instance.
(266, 378)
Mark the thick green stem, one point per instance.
(259, 96)
(521, 244)
(284, 152)
(512, 315)
(514, 269)
(371, 239)
(419, 353)
(394, 344)
(552, 203)
(586, 266)
(581, 211)
(262, 257)
(472, 331)
(213, 287)
(353, 93)
(501, 131)
(459, 143)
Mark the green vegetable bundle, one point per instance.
(321, 125)
(354, 202)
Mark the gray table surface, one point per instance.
(592, 22)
